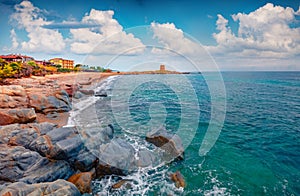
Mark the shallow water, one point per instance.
(257, 152)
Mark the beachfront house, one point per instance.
(64, 63)
(16, 58)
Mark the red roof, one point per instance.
(11, 56)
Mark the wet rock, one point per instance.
(82, 181)
(10, 116)
(116, 157)
(13, 96)
(58, 188)
(178, 179)
(147, 158)
(101, 93)
(120, 183)
(170, 143)
(20, 164)
(57, 102)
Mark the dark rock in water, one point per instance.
(167, 141)
(58, 188)
(57, 102)
(146, 158)
(10, 116)
(101, 93)
(120, 183)
(178, 179)
(116, 157)
(20, 164)
(83, 181)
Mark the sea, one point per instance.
(255, 150)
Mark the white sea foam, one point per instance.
(87, 101)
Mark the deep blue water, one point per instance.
(257, 151)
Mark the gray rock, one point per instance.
(23, 134)
(57, 188)
(58, 102)
(116, 157)
(147, 158)
(20, 164)
(169, 142)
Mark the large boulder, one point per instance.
(10, 116)
(58, 188)
(147, 158)
(23, 134)
(169, 142)
(20, 164)
(13, 96)
(116, 157)
(57, 102)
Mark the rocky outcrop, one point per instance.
(83, 181)
(57, 188)
(147, 158)
(178, 179)
(10, 116)
(20, 164)
(116, 157)
(13, 96)
(57, 102)
(169, 142)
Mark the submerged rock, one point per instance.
(178, 179)
(10, 116)
(120, 183)
(169, 142)
(101, 93)
(58, 188)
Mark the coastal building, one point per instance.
(43, 63)
(64, 63)
(162, 68)
(16, 58)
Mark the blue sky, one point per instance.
(234, 35)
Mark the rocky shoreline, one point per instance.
(41, 157)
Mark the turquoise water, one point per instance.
(258, 149)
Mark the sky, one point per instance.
(186, 35)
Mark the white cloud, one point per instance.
(30, 18)
(265, 32)
(106, 38)
(14, 40)
(173, 39)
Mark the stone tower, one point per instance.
(162, 68)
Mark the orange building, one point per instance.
(68, 64)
